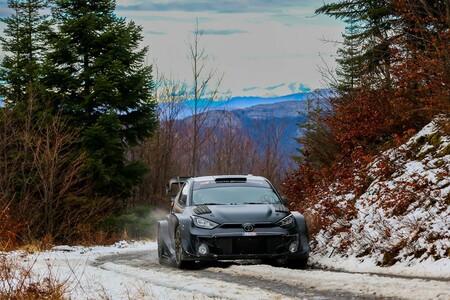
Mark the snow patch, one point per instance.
(402, 218)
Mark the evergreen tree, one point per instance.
(350, 70)
(24, 44)
(370, 26)
(95, 74)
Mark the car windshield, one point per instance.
(236, 195)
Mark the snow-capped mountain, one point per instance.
(241, 102)
(270, 91)
(276, 90)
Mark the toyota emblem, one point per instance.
(248, 227)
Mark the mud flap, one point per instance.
(167, 243)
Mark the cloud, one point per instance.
(270, 88)
(223, 6)
(155, 32)
(222, 31)
(250, 88)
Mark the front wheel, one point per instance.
(179, 262)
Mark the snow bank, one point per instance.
(403, 217)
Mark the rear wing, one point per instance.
(174, 184)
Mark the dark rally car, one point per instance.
(230, 217)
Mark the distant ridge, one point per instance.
(240, 102)
(260, 117)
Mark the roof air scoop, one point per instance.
(202, 209)
(231, 180)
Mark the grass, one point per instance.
(28, 274)
(18, 282)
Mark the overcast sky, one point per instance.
(261, 46)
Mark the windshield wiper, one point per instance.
(210, 203)
(253, 203)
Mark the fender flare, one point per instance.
(303, 232)
(165, 237)
(184, 225)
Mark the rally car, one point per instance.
(230, 218)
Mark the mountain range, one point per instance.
(269, 116)
(243, 102)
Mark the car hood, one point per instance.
(251, 213)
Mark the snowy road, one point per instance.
(222, 278)
(253, 280)
(131, 271)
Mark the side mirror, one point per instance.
(285, 200)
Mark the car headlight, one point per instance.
(287, 221)
(204, 223)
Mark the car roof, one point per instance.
(216, 180)
(230, 177)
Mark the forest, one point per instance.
(393, 79)
(90, 133)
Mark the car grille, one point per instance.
(249, 245)
(239, 225)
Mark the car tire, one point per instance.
(179, 262)
(298, 263)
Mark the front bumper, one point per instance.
(226, 244)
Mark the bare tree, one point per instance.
(205, 89)
(159, 152)
(43, 181)
(273, 162)
(227, 151)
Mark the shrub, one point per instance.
(18, 282)
(139, 222)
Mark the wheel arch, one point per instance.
(303, 232)
(165, 238)
(184, 224)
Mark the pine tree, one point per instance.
(370, 27)
(350, 70)
(95, 74)
(24, 44)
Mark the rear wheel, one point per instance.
(179, 262)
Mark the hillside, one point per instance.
(272, 120)
(275, 119)
(402, 214)
(292, 108)
(266, 120)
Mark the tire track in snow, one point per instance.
(251, 286)
(190, 285)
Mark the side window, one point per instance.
(182, 198)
